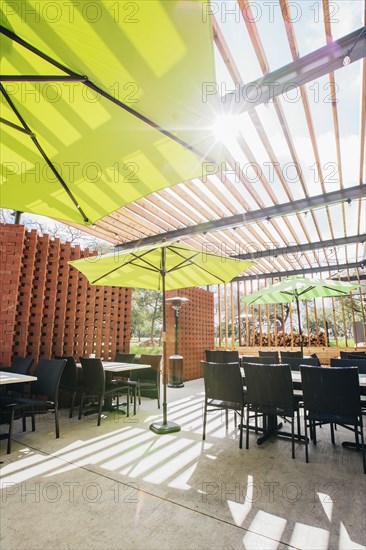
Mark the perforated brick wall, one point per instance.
(48, 308)
(195, 329)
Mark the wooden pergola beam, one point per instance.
(318, 201)
(313, 66)
(299, 248)
(307, 270)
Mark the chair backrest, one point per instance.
(125, 357)
(21, 365)
(269, 387)
(223, 381)
(69, 378)
(353, 354)
(295, 362)
(285, 354)
(93, 375)
(257, 360)
(149, 374)
(339, 363)
(229, 356)
(48, 373)
(331, 392)
(213, 355)
(274, 354)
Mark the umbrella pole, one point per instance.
(165, 427)
(299, 320)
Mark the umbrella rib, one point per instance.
(134, 259)
(307, 289)
(341, 291)
(333, 289)
(43, 153)
(106, 95)
(15, 126)
(189, 260)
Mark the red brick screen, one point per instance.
(196, 328)
(48, 308)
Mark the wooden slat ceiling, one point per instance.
(321, 137)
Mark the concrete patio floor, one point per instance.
(121, 486)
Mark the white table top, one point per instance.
(12, 378)
(113, 366)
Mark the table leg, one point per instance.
(274, 428)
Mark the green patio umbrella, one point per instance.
(299, 288)
(164, 266)
(101, 103)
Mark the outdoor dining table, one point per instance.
(274, 428)
(13, 378)
(116, 367)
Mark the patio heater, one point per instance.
(176, 361)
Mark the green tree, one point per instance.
(146, 313)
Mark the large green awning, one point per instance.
(102, 103)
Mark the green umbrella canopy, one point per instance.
(112, 109)
(162, 267)
(142, 268)
(299, 288)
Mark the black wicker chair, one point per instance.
(19, 365)
(147, 381)
(223, 391)
(352, 354)
(71, 380)
(124, 357)
(124, 378)
(258, 360)
(95, 385)
(296, 362)
(332, 396)
(270, 392)
(342, 363)
(213, 355)
(229, 356)
(286, 354)
(273, 354)
(48, 373)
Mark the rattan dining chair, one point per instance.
(19, 365)
(296, 362)
(71, 380)
(332, 396)
(273, 354)
(48, 373)
(352, 354)
(285, 354)
(96, 385)
(124, 378)
(270, 392)
(223, 391)
(229, 356)
(258, 360)
(147, 380)
(357, 362)
(213, 355)
(121, 357)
